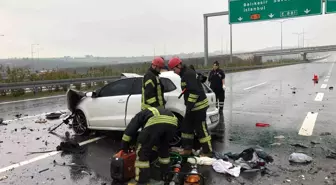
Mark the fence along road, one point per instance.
(48, 83)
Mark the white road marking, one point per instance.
(327, 76)
(16, 165)
(326, 80)
(330, 70)
(319, 97)
(308, 124)
(35, 116)
(255, 86)
(91, 140)
(33, 99)
(323, 86)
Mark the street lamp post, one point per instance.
(32, 53)
(281, 35)
(298, 34)
(32, 50)
(303, 39)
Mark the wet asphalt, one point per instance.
(264, 96)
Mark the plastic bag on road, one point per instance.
(300, 158)
(221, 166)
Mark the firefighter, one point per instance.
(158, 128)
(217, 84)
(152, 88)
(196, 106)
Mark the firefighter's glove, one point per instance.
(125, 146)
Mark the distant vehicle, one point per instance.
(113, 106)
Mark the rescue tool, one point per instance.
(184, 90)
(122, 166)
(177, 177)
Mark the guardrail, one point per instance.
(234, 69)
(33, 84)
(48, 83)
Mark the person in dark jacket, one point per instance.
(152, 88)
(158, 128)
(217, 84)
(196, 107)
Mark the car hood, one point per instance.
(73, 98)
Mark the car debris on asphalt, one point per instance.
(315, 142)
(18, 115)
(69, 147)
(275, 144)
(325, 134)
(53, 116)
(41, 120)
(3, 177)
(279, 137)
(2, 122)
(299, 145)
(300, 158)
(44, 170)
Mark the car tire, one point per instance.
(79, 124)
(177, 137)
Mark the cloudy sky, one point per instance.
(138, 27)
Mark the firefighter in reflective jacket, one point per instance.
(196, 106)
(158, 128)
(152, 88)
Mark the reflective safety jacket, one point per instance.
(194, 96)
(147, 118)
(152, 90)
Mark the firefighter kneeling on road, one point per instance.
(158, 128)
(196, 107)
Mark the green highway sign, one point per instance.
(242, 11)
(330, 6)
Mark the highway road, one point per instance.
(284, 97)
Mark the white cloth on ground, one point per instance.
(221, 166)
(201, 160)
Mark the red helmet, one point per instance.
(158, 61)
(173, 62)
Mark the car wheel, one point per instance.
(176, 141)
(79, 124)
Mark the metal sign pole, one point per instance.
(206, 46)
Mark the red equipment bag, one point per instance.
(122, 166)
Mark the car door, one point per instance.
(108, 108)
(134, 101)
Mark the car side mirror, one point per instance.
(94, 95)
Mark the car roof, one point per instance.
(130, 75)
(176, 79)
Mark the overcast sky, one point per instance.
(136, 27)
